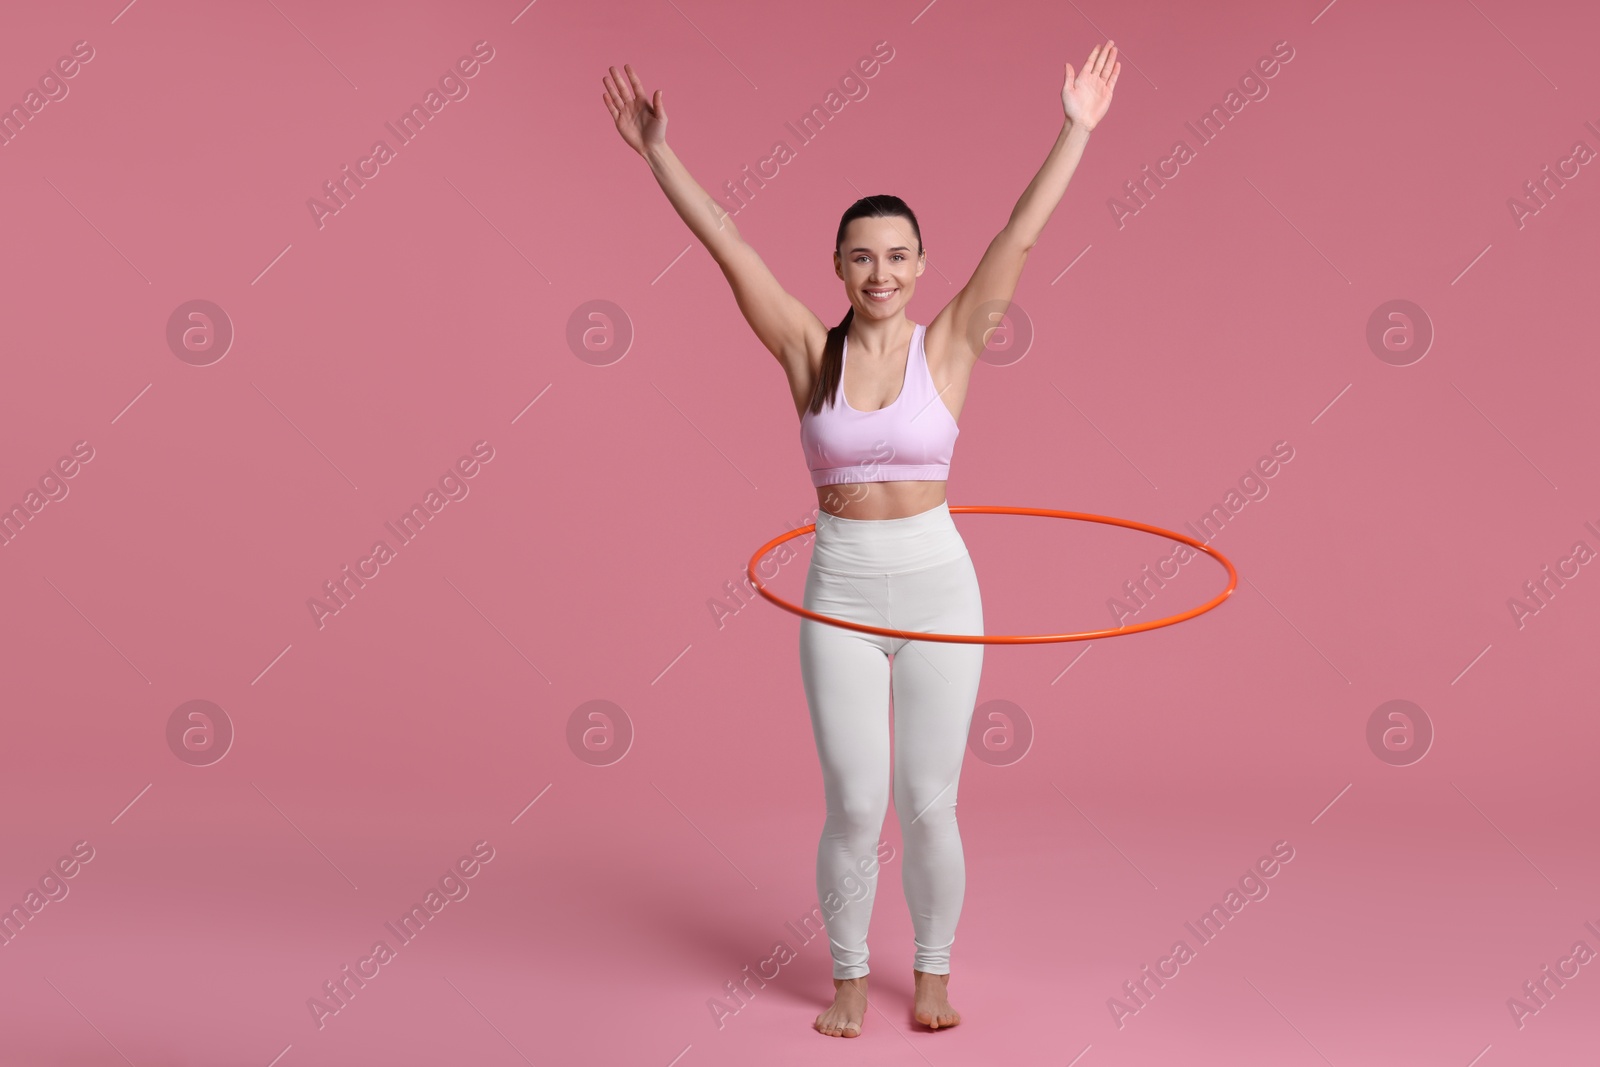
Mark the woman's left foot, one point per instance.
(933, 1008)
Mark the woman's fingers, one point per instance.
(638, 86)
(621, 93)
(1099, 61)
(619, 86)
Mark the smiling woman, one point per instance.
(887, 552)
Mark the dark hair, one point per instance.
(832, 370)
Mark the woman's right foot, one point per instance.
(849, 1008)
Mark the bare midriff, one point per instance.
(880, 500)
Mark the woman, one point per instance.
(887, 552)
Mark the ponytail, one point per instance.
(832, 369)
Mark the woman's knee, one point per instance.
(925, 805)
(859, 812)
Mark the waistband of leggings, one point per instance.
(887, 546)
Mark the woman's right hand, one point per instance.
(641, 124)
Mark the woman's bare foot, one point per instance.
(933, 1008)
(844, 1016)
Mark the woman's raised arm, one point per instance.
(781, 322)
(1085, 96)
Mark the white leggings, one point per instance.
(914, 574)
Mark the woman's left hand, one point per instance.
(1087, 96)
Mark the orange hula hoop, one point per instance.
(1008, 639)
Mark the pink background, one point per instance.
(433, 311)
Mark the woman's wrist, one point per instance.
(656, 154)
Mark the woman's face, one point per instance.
(879, 254)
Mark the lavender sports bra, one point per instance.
(910, 440)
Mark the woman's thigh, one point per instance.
(935, 683)
(846, 678)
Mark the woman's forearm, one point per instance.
(1039, 200)
(707, 219)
